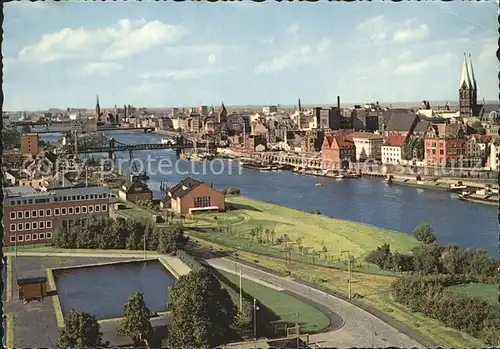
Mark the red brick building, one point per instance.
(135, 190)
(29, 144)
(445, 145)
(338, 150)
(192, 196)
(32, 216)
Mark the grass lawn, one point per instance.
(284, 306)
(486, 292)
(375, 290)
(315, 231)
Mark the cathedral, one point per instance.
(468, 91)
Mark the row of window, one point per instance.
(202, 201)
(31, 225)
(58, 211)
(60, 198)
(31, 237)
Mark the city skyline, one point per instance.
(155, 55)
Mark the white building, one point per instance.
(392, 149)
(368, 145)
(493, 160)
(476, 148)
(269, 109)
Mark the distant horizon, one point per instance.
(282, 106)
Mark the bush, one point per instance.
(230, 191)
(315, 211)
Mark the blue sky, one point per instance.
(187, 54)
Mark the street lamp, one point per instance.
(348, 271)
(255, 308)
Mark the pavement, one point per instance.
(361, 329)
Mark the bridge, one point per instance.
(309, 161)
(99, 129)
(114, 146)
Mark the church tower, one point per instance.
(98, 109)
(467, 90)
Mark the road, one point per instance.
(361, 329)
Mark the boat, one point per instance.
(196, 157)
(458, 187)
(339, 176)
(167, 141)
(319, 184)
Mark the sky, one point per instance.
(59, 55)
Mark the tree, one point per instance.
(171, 239)
(81, 331)
(325, 250)
(382, 257)
(202, 311)
(424, 233)
(136, 323)
(427, 258)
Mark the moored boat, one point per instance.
(457, 187)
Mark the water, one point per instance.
(369, 201)
(103, 290)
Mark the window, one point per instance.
(91, 208)
(48, 212)
(49, 235)
(12, 202)
(41, 225)
(48, 224)
(34, 213)
(441, 152)
(20, 227)
(34, 225)
(27, 226)
(13, 238)
(73, 198)
(63, 211)
(41, 236)
(20, 238)
(27, 237)
(77, 210)
(202, 201)
(12, 215)
(97, 208)
(41, 213)
(12, 227)
(34, 236)
(78, 197)
(20, 215)
(104, 207)
(18, 202)
(84, 209)
(91, 196)
(56, 212)
(70, 210)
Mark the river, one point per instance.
(370, 201)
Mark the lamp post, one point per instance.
(255, 308)
(348, 272)
(144, 245)
(241, 294)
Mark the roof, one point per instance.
(136, 185)
(365, 135)
(401, 122)
(394, 141)
(61, 181)
(342, 139)
(421, 126)
(184, 187)
(32, 280)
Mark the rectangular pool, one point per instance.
(103, 290)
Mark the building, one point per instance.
(135, 190)
(400, 123)
(29, 144)
(30, 288)
(392, 149)
(468, 92)
(338, 151)
(445, 145)
(192, 196)
(494, 157)
(270, 109)
(476, 149)
(31, 216)
(368, 146)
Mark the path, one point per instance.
(361, 329)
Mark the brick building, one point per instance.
(135, 190)
(192, 196)
(29, 144)
(445, 145)
(337, 151)
(31, 216)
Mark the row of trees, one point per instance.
(93, 233)
(432, 258)
(427, 295)
(202, 312)
(413, 148)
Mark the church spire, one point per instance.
(471, 73)
(465, 78)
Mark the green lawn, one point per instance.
(486, 292)
(284, 306)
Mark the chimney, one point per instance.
(300, 107)
(338, 106)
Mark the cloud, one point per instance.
(489, 52)
(323, 45)
(123, 39)
(377, 30)
(8, 63)
(410, 34)
(211, 58)
(100, 68)
(267, 41)
(418, 66)
(286, 61)
(146, 87)
(293, 29)
(203, 49)
(182, 74)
